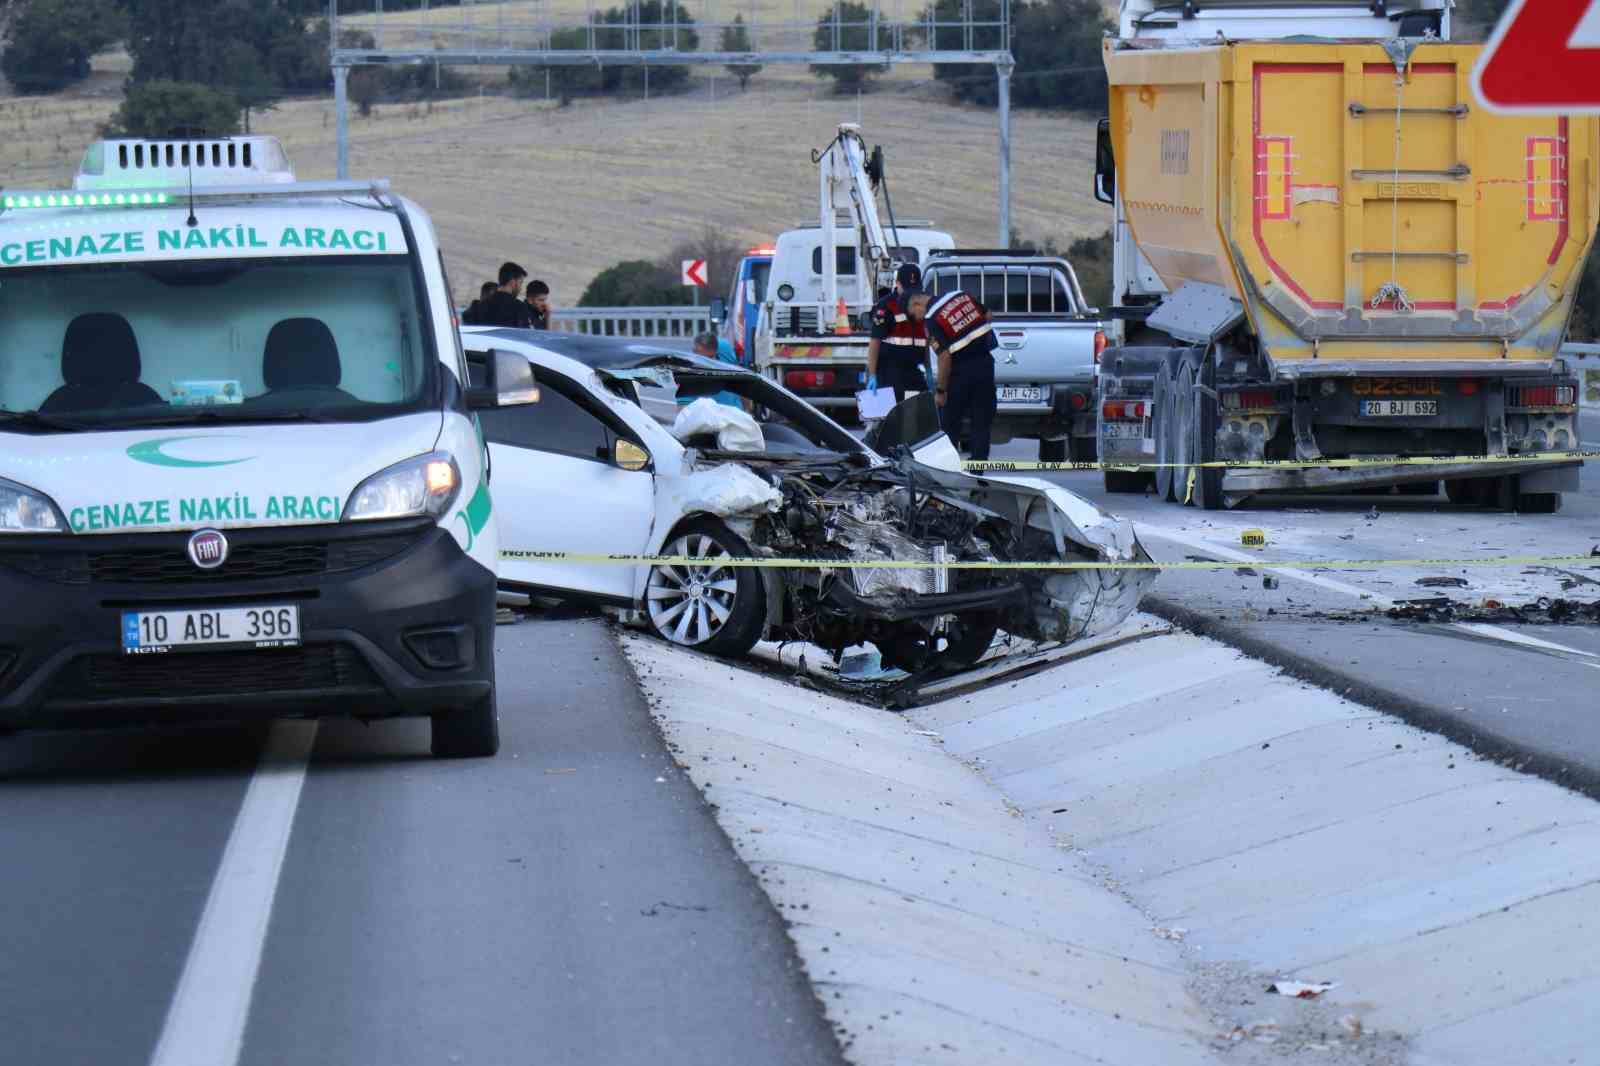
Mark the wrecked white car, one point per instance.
(635, 450)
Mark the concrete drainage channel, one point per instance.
(1110, 859)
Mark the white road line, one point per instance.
(206, 1020)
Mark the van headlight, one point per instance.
(426, 485)
(23, 510)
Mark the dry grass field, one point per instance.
(569, 191)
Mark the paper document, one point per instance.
(873, 404)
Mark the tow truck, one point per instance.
(812, 335)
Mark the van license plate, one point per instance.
(1399, 408)
(1020, 393)
(209, 629)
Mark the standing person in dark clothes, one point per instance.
(898, 350)
(473, 315)
(539, 304)
(963, 340)
(503, 308)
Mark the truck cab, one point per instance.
(241, 476)
(745, 299)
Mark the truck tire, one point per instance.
(1183, 433)
(1053, 451)
(1161, 396)
(1083, 449)
(1126, 482)
(471, 732)
(1207, 479)
(1538, 502)
(1419, 488)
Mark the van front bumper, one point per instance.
(395, 620)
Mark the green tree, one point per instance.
(736, 38)
(168, 108)
(1090, 258)
(1056, 44)
(635, 283)
(662, 27)
(206, 41)
(849, 28)
(1586, 315)
(248, 80)
(48, 43)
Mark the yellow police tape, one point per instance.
(1001, 465)
(768, 562)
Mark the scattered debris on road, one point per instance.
(1300, 989)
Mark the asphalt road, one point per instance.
(168, 899)
(1507, 689)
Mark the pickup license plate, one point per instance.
(1399, 408)
(209, 629)
(1019, 393)
(1113, 430)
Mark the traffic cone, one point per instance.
(841, 321)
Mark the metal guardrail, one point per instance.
(680, 322)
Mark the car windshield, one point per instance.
(790, 426)
(329, 339)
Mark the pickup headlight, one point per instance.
(426, 485)
(23, 510)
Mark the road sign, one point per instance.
(694, 273)
(1542, 59)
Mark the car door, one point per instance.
(557, 488)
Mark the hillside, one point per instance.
(568, 191)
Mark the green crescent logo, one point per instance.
(149, 451)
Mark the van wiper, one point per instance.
(35, 420)
(203, 415)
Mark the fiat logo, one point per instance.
(208, 549)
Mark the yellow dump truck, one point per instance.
(1354, 261)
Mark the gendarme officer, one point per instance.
(962, 338)
(897, 355)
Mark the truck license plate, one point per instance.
(1114, 430)
(1019, 393)
(1399, 408)
(209, 629)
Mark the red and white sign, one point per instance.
(1542, 58)
(694, 272)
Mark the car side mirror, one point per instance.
(628, 455)
(719, 310)
(1105, 164)
(510, 382)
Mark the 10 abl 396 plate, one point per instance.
(210, 629)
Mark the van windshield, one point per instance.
(324, 339)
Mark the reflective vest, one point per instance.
(894, 329)
(960, 325)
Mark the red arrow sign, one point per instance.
(694, 272)
(1542, 58)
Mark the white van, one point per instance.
(240, 476)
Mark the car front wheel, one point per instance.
(706, 603)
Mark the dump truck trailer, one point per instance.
(1359, 263)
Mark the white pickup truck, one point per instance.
(1050, 343)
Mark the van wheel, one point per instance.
(471, 732)
(1052, 451)
(1162, 398)
(706, 604)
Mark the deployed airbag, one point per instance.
(735, 430)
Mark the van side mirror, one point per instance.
(507, 380)
(719, 310)
(1105, 164)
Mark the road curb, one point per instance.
(1358, 689)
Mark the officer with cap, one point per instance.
(898, 352)
(963, 340)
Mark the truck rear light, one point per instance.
(1542, 396)
(1124, 410)
(1099, 345)
(1250, 399)
(809, 379)
(1467, 386)
(1079, 401)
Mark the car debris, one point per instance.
(1300, 989)
(1442, 582)
(775, 478)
